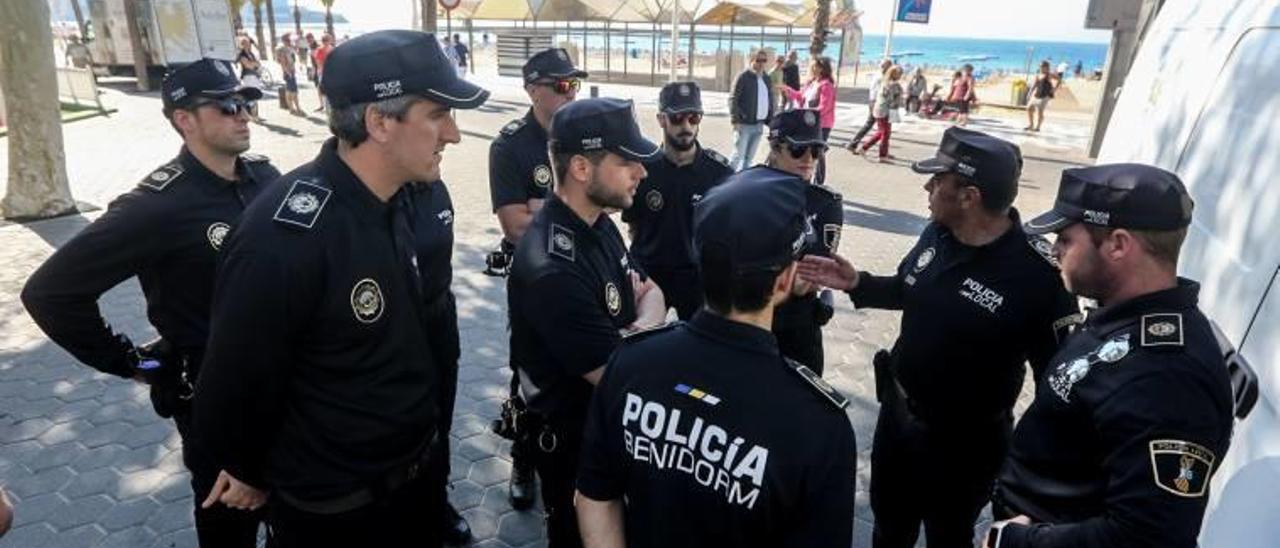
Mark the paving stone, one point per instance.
(490, 471)
(98, 457)
(28, 429)
(47, 481)
(128, 515)
(518, 528)
(170, 517)
(133, 537)
(101, 480)
(484, 524)
(80, 511)
(465, 494)
(181, 538)
(145, 436)
(103, 434)
(54, 456)
(32, 535)
(37, 509)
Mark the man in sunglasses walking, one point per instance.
(519, 178)
(168, 232)
(750, 108)
(979, 297)
(661, 216)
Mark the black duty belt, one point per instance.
(379, 489)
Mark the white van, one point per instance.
(1203, 100)
(174, 32)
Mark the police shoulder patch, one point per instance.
(1043, 248)
(1162, 330)
(302, 204)
(560, 242)
(814, 380)
(513, 126)
(1181, 467)
(254, 158)
(159, 179)
(719, 158)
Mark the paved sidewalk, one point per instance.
(89, 464)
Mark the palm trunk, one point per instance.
(75, 6)
(271, 22)
(297, 19)
(257, 29)
(429, 18)
(38, 185)
(328, 22)
(821, 21)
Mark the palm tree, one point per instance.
(257, 28)
(328, 18)
(297, 19)
(821, 20)
(271, 22)
(236, 7)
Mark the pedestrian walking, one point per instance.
(288, 60)
(873, 92)
(1042, 89)
(750, 108)
(916, 90)
(885, 111)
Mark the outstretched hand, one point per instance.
(835, 272)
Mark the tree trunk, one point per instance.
(141, 55)
(297, 20)
(328, 22)
(429, 19)
(257, 29)
(75, 6)
(237, 22)
(821, 20)
(271, 22)
(37, 187)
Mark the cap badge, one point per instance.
(965, 169)
(809, 118)
(542, 175)
(216, 233)
(366, 301)
(390, 88)
(924, 259)
(593, 143)
(178, 94)
(222, 67)
(653, 199)
(1101, 218)
(612, 299)
(684, 90)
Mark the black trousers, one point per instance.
(393, 521)
(218, 526)
(939, 476)
(820, 174)
(681, 288)
(558, 470)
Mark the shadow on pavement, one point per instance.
(883, 220)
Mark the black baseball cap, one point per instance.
(756, 217)
(209, 78)
(588, 125)
(677, 97)
(797, 127)
(550, 64)
(1133, 196)
(993, 164)
(391, 63)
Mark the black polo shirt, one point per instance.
(319, 376)
(519, 168)
(431, 216)
(661, 217)
(1129, 423)
(168, 231)
(569, 296)
(713, 439)
(971, 316)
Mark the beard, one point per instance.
(1087, 278)
(602, 196)
(681, 142)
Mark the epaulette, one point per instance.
(826, 193)
(716, 156)
(302, 204)
(1043, 248)
(254, 158)
(160, 179)
(513, 126)
(1162, 330)
(560, 242)
(649, 332)
(814, 380)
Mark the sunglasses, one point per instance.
(798, 152)
(762, 61)
(229, 106)
(564, 87)
(694, 118)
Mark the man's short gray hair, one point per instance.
(347, 123)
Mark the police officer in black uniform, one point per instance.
(519, 178)
(979, 298)
(661, 219)
(430, 211)
(1134, 413)
(795, 146)
(321, 384)
(574, 289)
(707, 432)
(168, 232)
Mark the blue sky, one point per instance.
(1051, 20)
